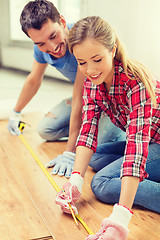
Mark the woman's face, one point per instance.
(95, 61)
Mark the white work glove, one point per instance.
(115, 227)
(63, 164)
(70, 193)
(13, 123)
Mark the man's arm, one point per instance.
(31, 85)
(76, 113)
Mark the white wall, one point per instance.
(22, 58)
(137, 25)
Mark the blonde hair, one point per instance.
(96, 28)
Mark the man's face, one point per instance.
(52, 38)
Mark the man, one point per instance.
(49, 31)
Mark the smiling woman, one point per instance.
(95, 61)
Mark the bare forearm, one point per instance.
(75, 124)
(29, 89)
(25, 96)
(129, 187)
(72, 142)
(76, 114)
(83, 157)
(31, 85)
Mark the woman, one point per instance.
(129, 95)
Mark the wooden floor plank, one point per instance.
(91, 210)
(18, 217)
(43, 195)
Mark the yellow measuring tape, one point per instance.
(56, 187)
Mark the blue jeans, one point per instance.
(53, 128)
(106, 183)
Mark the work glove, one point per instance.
(70, 193)
(63, 164)
(115, 227)
(13, 123)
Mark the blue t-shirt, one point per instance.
(67, 65)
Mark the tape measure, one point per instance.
(21, 126)
(56, 187)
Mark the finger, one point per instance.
(51, 163)
(18, 132)
(62, 169)
(68, 171)
(92, 237)
(62, 201)
(97, 236)
(15, 132)
(12, 132)
(56, 168)
(67, 209)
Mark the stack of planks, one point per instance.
(27, 207)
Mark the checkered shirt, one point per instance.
(129, 107)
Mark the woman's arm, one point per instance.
(76, 113)
(83, 157)
(129, 187)
(138, 137)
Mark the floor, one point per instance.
(51, 92)
(27, 207)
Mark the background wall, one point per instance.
(137, 25)
(135, 21)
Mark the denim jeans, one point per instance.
(106, 183)
(55, 128)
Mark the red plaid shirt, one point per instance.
(129, 107)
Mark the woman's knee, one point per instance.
(93, 163)
(97, 186)
(105, 189)
(99, 161)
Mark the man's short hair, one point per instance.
(36, 13)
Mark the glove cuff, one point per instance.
(15, 116)
(121, 215)
(69, 154)
(76, 179)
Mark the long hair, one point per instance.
(36, 13)
(96, 28)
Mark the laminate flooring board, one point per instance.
(18, 217)
(144, 224)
